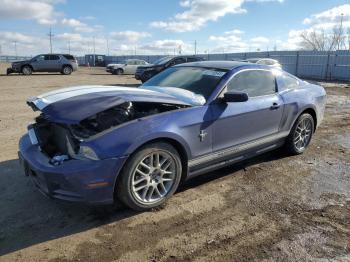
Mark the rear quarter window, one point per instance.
(287, 82)
(69, 57)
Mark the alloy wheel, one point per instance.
(302, 135)
(154, 177)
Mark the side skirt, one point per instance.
(233, 155)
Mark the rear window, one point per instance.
(69, 57)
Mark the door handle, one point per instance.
(275, 106)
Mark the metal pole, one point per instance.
(68, 46)
(50, 36)
(107, 46)
(195, 47)
(15, 48)
(94, 51)
(340, 30)
(297, 64)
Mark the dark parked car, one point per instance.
(97, 144)
(144, 73)
(62, 63)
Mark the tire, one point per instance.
(143, 184)
(26, 70)
(119, 71)
(67, 70)
(300, 135)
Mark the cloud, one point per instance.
(200, 12)
(72, 22)
(230, 41)
(69, 37)
(233, 41)
(260, 40)
(129, 36)
(330, 18)
(42, 11)
(10, 37)
(79, 26)
(165, 46)
(325, 21)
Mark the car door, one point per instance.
(54, 64)
(129, 67)
(242, 122)
(133, 67)
(39, 63)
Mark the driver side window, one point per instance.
(254, 83)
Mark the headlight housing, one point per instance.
(86, 152)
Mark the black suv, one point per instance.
(144, 73)
(63, 63)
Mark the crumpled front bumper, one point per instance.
(87, 181)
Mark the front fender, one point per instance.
(161, 135)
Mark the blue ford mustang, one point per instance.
(96, 144)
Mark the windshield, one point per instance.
(200, 81)
(162, 60)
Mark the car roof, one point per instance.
(224, 65)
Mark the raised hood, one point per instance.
(72, 105)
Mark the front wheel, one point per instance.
(300, 135)
(27, 70)
(118, 71)
(150, 177)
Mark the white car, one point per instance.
(127, 68)
(264, 61)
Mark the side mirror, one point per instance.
(233, 96)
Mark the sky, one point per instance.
(119, 27)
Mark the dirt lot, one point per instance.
(274, 207)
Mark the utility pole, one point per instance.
(340, 31)
(94, 51)
(68, 46)
(195, 47)
(15, 43)
(107, 46)
(50, 36)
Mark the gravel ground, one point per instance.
(274, 207)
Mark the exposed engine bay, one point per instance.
(118, 115)
(58, 140)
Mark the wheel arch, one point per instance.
(64, 65)
(180, 147)
(27, 65)
(309, 110)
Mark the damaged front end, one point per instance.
(62, 142)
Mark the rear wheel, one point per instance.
(67, 70)
(150, 177)
(27, 70)
(300, 135)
